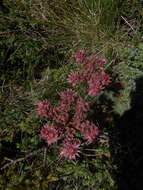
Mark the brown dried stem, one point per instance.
(13, 162)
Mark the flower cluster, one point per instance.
(69, 120)
(92, 72)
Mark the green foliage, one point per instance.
(21, 60)
(90, 172)
(128, 70)
(68, 25)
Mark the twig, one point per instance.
(8, 159)
(59, 158)
(128, 23)
(93, 155)
(45, 157)
(3, 84)
(13, 162)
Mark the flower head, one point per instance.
(97, 83)
(49, 134)
(105, 79)
(95, 91)
(60, 116)
(70, 149)
(82, 106)
(89, 131)
(45, 109)
(81, 56)
(67, 97)
(75, 78)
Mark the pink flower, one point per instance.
(65, 107)
(82, 105)
(70, 131)
(45, 109)
(70, 149)
(90, 66)
(89, 131)
(97, 83)
(95, 59)
(104, 61)
(78, 118)
(75, 78)
(105, 78)
(60, 116)
(80, 109)
(67, 97)
(49, 134)
(81, 56)
(95, 90)
(100, 63)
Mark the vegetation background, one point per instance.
(38, 42)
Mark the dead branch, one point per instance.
(128, 23)
(13, 162)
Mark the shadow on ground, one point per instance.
(129, 138)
